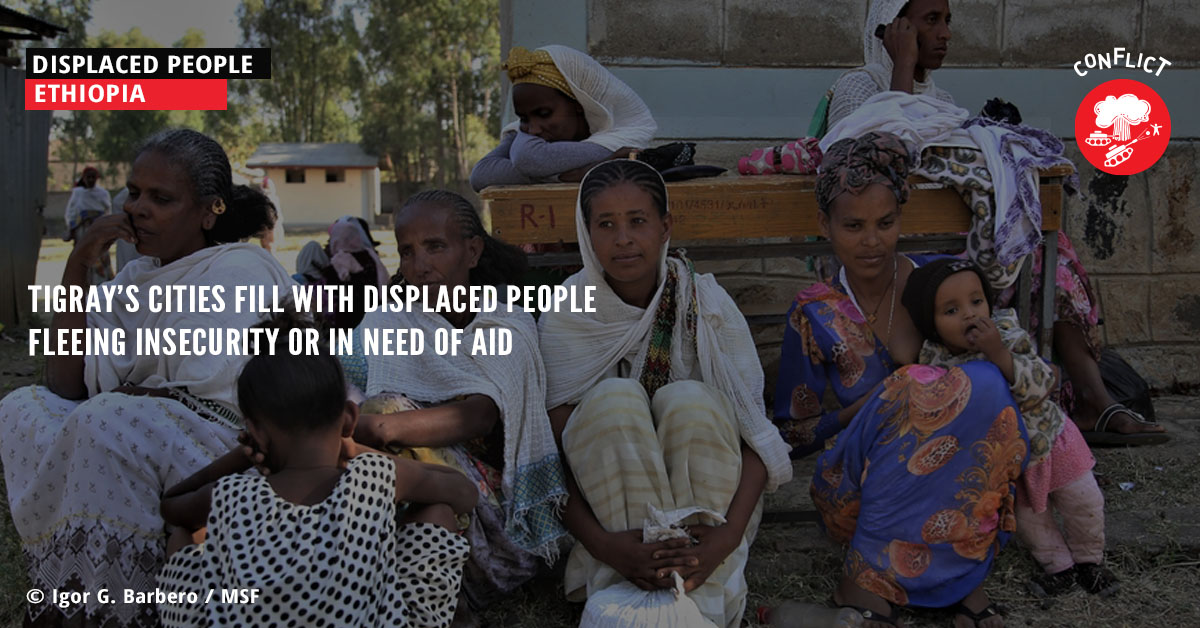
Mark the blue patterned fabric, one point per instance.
(920, 483)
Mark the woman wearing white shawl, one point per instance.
(572, 114)
(482, 414)
(657, 398)
(914, 43)
(87, 203)
(87, 456)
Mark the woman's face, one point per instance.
(168, 219)
(958, 307)
(627, 234)
(863, 230)
(547, 113)
(432, 250)
(931, 18)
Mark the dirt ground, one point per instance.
(1153, 519)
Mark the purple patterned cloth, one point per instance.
(1023, 149)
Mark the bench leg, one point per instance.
(1049, 289)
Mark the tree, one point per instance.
(429, 92)
(311, 64)
(116, 133)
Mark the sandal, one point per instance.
(1100, 435)
(870, 615)
(1097, 579)
(988, 612)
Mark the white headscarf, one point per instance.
(878, 62)
(580, 348)
(616, 115)
(346, 237)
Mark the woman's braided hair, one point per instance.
(248, 211)
(500, 263)
(611, 173)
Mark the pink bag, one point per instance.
(801, 156)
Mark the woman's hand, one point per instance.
(375, 430)
(349, 451)
(900, 41)
(713, 545)
(102, 233)
(575, 175)
(646, 565)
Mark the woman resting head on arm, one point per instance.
(321, 491)
(121, 427)
(656, 401)
(901, 486)
(572, 113)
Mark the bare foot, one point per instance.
(876, 611)
(978, 604)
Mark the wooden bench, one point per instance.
(734, 217)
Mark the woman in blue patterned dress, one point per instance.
(917, 463)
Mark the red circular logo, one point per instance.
(1122, 127)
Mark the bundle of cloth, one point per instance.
(1011, 153)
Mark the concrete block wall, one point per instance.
(734, 75)
(986, 33)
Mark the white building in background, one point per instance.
(319, 183)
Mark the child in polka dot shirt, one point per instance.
(315, 537)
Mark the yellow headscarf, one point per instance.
(535, 67)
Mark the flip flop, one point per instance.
(1099, 435)
(989, 611)
(870, 615)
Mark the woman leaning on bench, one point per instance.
(572, 114)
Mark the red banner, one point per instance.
(126, 94)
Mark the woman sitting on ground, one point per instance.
(87, 457)
(656, 398)
(917, 466)
(572, 114)
(482, 414)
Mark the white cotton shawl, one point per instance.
(206, 376)
(617, 117)
(579, 348)
(532, 476)
(921, 121)
(85, 199)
